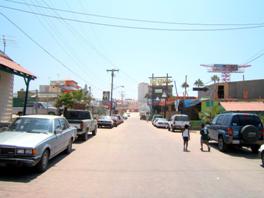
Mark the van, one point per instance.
(178, 121)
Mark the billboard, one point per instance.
(106, 96)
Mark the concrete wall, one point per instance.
(6, 96)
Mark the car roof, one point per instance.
(183, 115)
(42, 116)
(238, 113)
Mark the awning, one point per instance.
(243, 106)
(12, 67)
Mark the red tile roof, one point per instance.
(14, 67)
(243, 106)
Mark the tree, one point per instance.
(72, 98)
(199, 83)
(215, 78)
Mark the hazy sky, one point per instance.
(91, 49)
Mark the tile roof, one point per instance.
(243, 106)
(15, 68)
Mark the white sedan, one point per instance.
(161, 123)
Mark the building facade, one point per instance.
(240, 90)
(143, 89)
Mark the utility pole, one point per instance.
(4, 43)
(112, 86)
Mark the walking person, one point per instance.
(204, 137)
(186, 137)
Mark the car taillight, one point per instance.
(262, 132)
(230, 131)
(81, 125)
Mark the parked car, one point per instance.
(178, 121)
(261, 152)
(161, 123)
(156, 116)
(42, 108)
(243, 129)
(105, 121)
(34, 140)
(117, 120)
(83, 121)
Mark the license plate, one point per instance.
(235, 141)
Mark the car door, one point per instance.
(59, 136)
(66, 135)
(211, 128)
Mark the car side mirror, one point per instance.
(58, 131)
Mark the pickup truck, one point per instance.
(43, 108)
(83, 121)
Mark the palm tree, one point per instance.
(199, 83)
(215, 78)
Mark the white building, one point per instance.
(142, 92)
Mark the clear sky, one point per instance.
(91, 49)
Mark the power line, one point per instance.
(139, 27)
(253, 59)
(133, 19)
(41, 47)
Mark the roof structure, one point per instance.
(10, 66)
(243, 106)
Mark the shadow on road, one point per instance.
(79, 140)
(26, 174)
(237, 151)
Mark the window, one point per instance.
(219, 121)
(214, 120)
(57, 124)
(63, 124)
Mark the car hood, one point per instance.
(22, 139)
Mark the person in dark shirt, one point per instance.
(204, 137)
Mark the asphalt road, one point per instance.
(138, 160)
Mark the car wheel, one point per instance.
(85, 136)
(254, 148)
(69, 147)
(94, 132)
(222, 146)
(43, 163)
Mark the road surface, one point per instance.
(138, 160)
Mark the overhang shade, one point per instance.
(12, 67)
(243, 106)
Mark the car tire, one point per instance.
(94, 132)
(250, 133)
(254, 148)
(85, 136)
(44, 161)
(222, 146)
(68, 150)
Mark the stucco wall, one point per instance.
(6, 96)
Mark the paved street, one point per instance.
(138, 160)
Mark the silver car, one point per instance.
(33, 140)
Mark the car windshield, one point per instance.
(249, 120)
(161, 119)
(77, 115)
(105, 118)
(31, 125)
(181, 118)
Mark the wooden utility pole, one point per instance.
(112, 86)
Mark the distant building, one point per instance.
(143, 89)
(240, 90)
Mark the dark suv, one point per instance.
(243, 129)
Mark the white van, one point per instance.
(178, 121)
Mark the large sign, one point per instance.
(106, 96)
(159, 81)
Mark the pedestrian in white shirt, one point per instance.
(186, 137)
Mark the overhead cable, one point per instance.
(138, 27)
(133, 19)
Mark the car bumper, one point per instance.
(5, 161)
